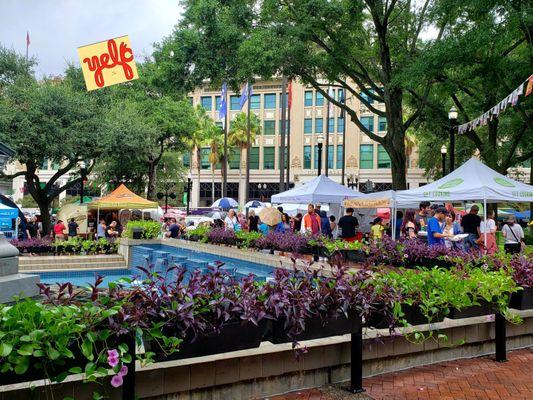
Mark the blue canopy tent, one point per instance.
(523, 214)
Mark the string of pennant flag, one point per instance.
(494, 112)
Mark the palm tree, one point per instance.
(238, 137)
(199, 137)
(216, 142)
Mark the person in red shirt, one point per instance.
(59, 229)
(311, 221)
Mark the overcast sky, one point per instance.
(58, 27)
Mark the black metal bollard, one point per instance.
(128, 386)
(356, 373)
(500, 337)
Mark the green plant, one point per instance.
(150, 229)
(200, 233)
(247, 239)
(337, 245)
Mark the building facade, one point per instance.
(367, 162)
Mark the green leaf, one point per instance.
(5, 349)
(92, 337)
(75, 370)
(25, 350)
(87, 350)
(22, 365)
(53, 353)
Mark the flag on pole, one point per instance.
(290, 94)
(223, 104)
(244, 95)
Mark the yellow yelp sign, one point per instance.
(107, 63)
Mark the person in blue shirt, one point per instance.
(435, 228)
(325, 227)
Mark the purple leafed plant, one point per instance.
(288, 242)
(29, 243)
(221, 236)
(522, 269)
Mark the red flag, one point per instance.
(290, 94)
(27, 39)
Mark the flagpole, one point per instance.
(327, 137)
(27, 44)
(289, 101)
(283, 126)
(225, 174)
(248, 148)
(343, 115)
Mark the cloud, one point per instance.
(58, 27)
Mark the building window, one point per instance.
(218, 101)
(382, 124)
(340, 95)
(286, 126)
(368, 123)
(308, 125)
(340, 124)
(235, 158)
(44, 164)
(368, 99)
(319, 99)
(366, 156)
(281, 102)
(383, 157)
(331, 125)
(206, 102)
(254, 158)
(268, 157)
(330, 156)
(56, 165)
(319, 122)
(285, 159)
(269, 127)
(307, 157)
(204, 157)
(187, 160)
(339, 156)
(308, 102)
(255, 103)
(315, 163)
(234, 102)
(270, 101)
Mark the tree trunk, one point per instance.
(395, 140)
(152, 175)
(212, 184)
(44, 208)
(531, 204)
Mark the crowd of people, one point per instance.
(440, 225)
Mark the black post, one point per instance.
(453, 123)
(248, 145)
(319, 159)
(166, 201)
(83, 176)
(189, 182)
(443, 164)
(282, 136)
(225, 165)
(128, 386)
(356, 363)
(500, 337)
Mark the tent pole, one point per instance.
(485, 221)
(393, 221)
(97, 221)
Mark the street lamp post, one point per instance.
(443, 151)
(452, 116)
(83, 173)
(320, 141)
(168, 193)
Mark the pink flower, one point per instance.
(116, 381)
(112, 358)
(123, 371)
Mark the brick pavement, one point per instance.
(469, 379)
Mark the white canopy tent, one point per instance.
(319, 190)
(471, 181)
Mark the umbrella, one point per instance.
(254, 204)
(225, 203)
(270, 216)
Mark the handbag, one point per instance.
(520, 242)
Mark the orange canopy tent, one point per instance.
(122, 198)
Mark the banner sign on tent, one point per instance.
(107, 63)
(367, 203)
(495, 111)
